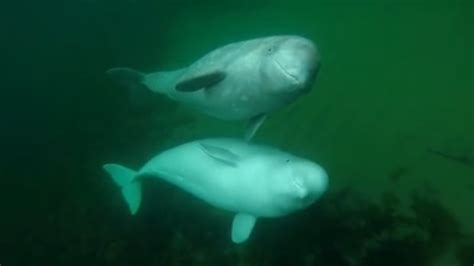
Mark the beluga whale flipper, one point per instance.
(250, 180)
(240, 81)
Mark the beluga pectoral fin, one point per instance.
(202, 81)
(221, 154)
(242, 227)
(253, 125)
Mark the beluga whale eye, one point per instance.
(270, 50)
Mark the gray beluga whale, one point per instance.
(239, 81)
(235, 175)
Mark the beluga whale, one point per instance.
(247, 179)
(245, 80)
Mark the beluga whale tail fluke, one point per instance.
(249, 180)
(135, 81)
(127, 77)
(245, 80)
(125, 179)
(158, 82)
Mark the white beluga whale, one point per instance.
(247, 179)
(239, 81)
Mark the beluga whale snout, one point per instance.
(248, 179)
(245, 80)
(309, 180)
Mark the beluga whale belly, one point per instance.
(235, 175)
(240, 81)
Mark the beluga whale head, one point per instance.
(290, 64)
(296, 184)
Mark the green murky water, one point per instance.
(391, 117)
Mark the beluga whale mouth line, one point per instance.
(286, 72)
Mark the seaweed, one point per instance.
(348, 229)
(345, 228)
(465, 252)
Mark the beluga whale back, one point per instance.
(235, 175)
(240, 81)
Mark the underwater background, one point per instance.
(391, 118)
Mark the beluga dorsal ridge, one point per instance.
(245, 80)
(247, 179)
